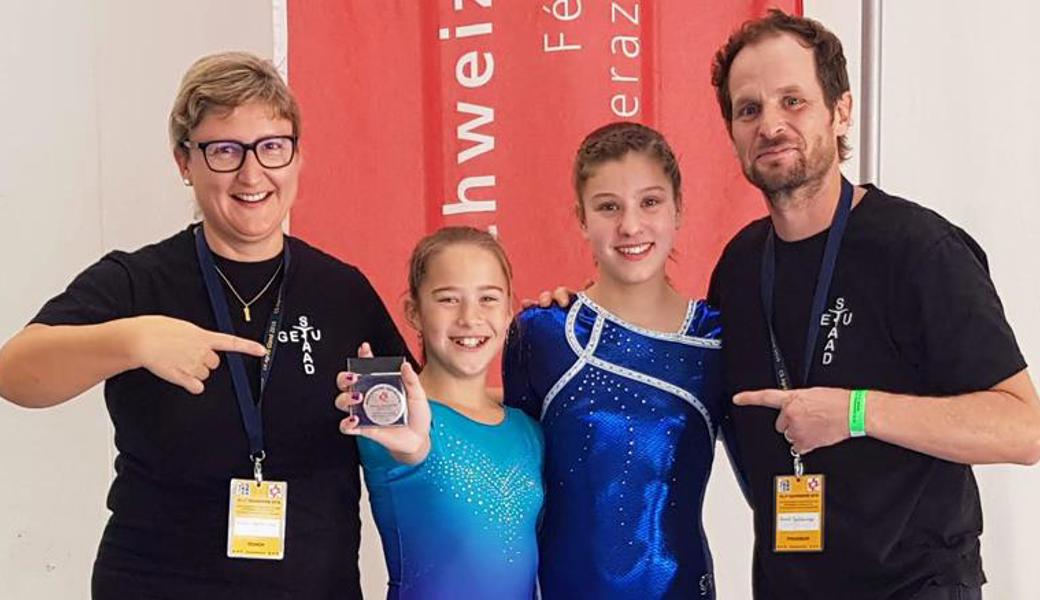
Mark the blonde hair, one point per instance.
(221, 82)
(431, 245)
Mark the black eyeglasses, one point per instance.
(225, 156)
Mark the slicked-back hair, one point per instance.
(614, 141)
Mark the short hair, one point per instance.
(613, 142)
(831, 71)
(434, 243)
(224, 81)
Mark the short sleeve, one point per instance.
(952, 323)
(101, 293)
(516, 375)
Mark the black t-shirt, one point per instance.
(911, 309)
(167, 536)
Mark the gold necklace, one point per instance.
(246, 305)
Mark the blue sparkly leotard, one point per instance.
(461, 524)
(630, 418)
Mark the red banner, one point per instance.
(423, 113)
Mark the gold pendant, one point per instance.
(245, 313)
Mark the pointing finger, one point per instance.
(768, 398)
(231, 343)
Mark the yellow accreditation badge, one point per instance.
(256, 519)
(799, 513)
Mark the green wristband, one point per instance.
(858, 413)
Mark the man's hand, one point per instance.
(560, 295)
(809, 418)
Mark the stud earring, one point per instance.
(187, 182)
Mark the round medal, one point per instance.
(383, 404)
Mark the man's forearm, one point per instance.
(999, 425)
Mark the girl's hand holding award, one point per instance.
(372, 396)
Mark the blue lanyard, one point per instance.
(251, 415)
(823, 284)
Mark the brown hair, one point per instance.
(831, 71)
(224, 81)
(437, 241)
(613, 142)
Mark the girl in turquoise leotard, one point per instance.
(456, 494)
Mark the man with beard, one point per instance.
(863, 338)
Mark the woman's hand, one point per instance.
(408, 444)
(181, 352)
(45, 365)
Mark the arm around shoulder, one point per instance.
(517, 390)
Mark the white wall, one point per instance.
(86, 86)
(959, 123)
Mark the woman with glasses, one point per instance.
(219, 348)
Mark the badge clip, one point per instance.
(258, 469)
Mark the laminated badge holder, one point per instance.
(256, 508)
(799, 498)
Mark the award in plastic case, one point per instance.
(383, 402)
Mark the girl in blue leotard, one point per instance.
(456, 494)
(625, 382)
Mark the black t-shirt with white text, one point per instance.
(167, 534)
(911, 310)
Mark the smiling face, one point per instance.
(630, 219)
(461, 310)
(242, 210)
(784, 134)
